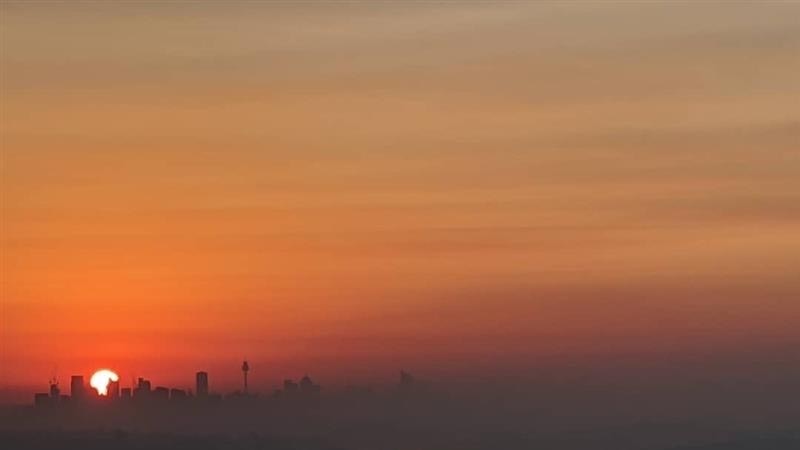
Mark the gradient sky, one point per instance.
(350, 188)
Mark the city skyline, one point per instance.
(114, 387)
(141, 387)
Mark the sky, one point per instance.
(345, 189)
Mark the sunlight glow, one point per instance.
(101, 379)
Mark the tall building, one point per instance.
(245, 369)
(113, 389)
(142, 388)
(201, 384)
(76, 387)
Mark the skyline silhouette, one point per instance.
(85, 394)
(569, 416)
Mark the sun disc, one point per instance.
(101, 379)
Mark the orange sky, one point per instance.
(347, 189)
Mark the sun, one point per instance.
(101, 379)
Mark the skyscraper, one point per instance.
(76, 387)
(113, 389)
(201, 384)
(142, 388)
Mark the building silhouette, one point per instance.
(113, 389)
(290, 386)
(160, 393)
(48, 398)
(308, 387)
(77, 389)
(201, 384)
(177, 394)
(142, 388)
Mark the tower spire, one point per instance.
(245, 369)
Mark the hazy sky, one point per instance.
(348, 188)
